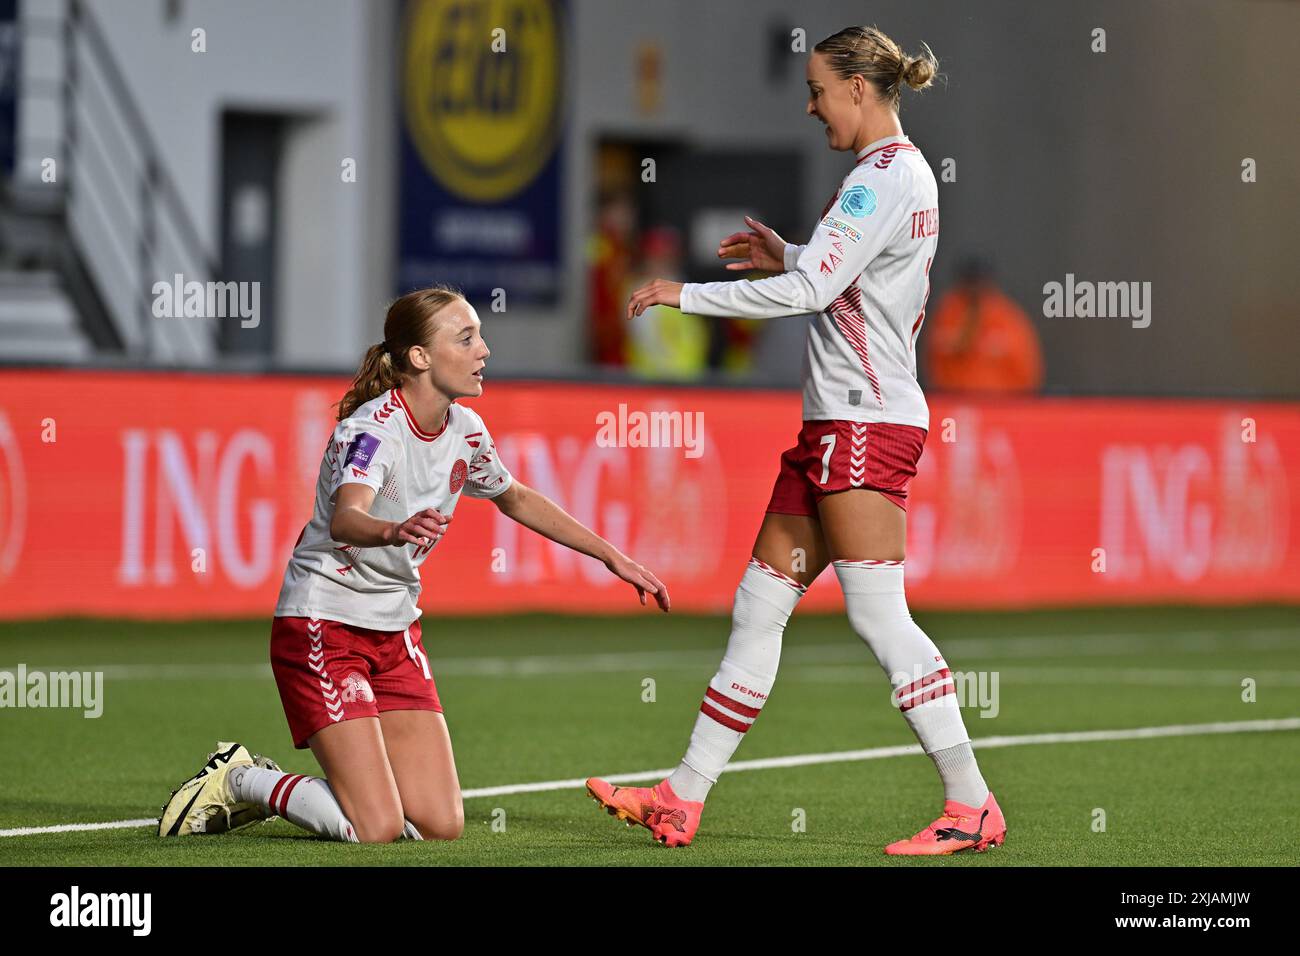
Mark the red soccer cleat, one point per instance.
(960, 828)
(672, 820)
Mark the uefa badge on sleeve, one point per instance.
(858, 201)
(362, 450)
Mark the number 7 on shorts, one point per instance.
(829, 442)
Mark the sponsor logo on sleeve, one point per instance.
(848, 231)
(362, 450)
(858, 201)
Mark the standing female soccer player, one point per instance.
(345, 643)
(841, 494)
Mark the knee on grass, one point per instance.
(378, 827)
(445, 826)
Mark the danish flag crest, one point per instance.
(459, 472)
(357, 688)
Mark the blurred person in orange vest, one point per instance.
(979, 340)
(609, 254)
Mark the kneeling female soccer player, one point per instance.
(345, 642)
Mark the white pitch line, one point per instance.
(901, 750)
(1154, 677)
(803, 760)
(76, 827)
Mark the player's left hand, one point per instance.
(655, 292)
(640, 578)
(761, 248)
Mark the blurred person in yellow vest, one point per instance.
(978, 340)
(664, 342)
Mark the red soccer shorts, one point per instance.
(328, 671)
(833, 456)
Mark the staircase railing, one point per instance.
(128, 224)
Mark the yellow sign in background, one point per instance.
(481, 81)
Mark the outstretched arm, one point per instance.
(759, 249)
(871, 212)
(535, 511)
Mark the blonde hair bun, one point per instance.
(918, 71)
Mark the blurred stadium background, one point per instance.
(328, 155)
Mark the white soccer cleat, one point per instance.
(204, 803)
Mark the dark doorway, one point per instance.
(250, 163)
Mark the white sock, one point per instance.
(923, 687)
(302, 800)
(764, 602)
(962, 780)
(409, 832)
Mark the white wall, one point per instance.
(313, 59)
(1122, 166)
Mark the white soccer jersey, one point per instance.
(866, 274)
(383, 447)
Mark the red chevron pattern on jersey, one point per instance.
(479, 473)
(852, 323)
(383, 411)
(885, 154)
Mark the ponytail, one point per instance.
(375, 376)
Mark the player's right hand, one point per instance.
(760, 248)
(422, 528)
(641, 578)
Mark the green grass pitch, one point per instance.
(541, 698)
